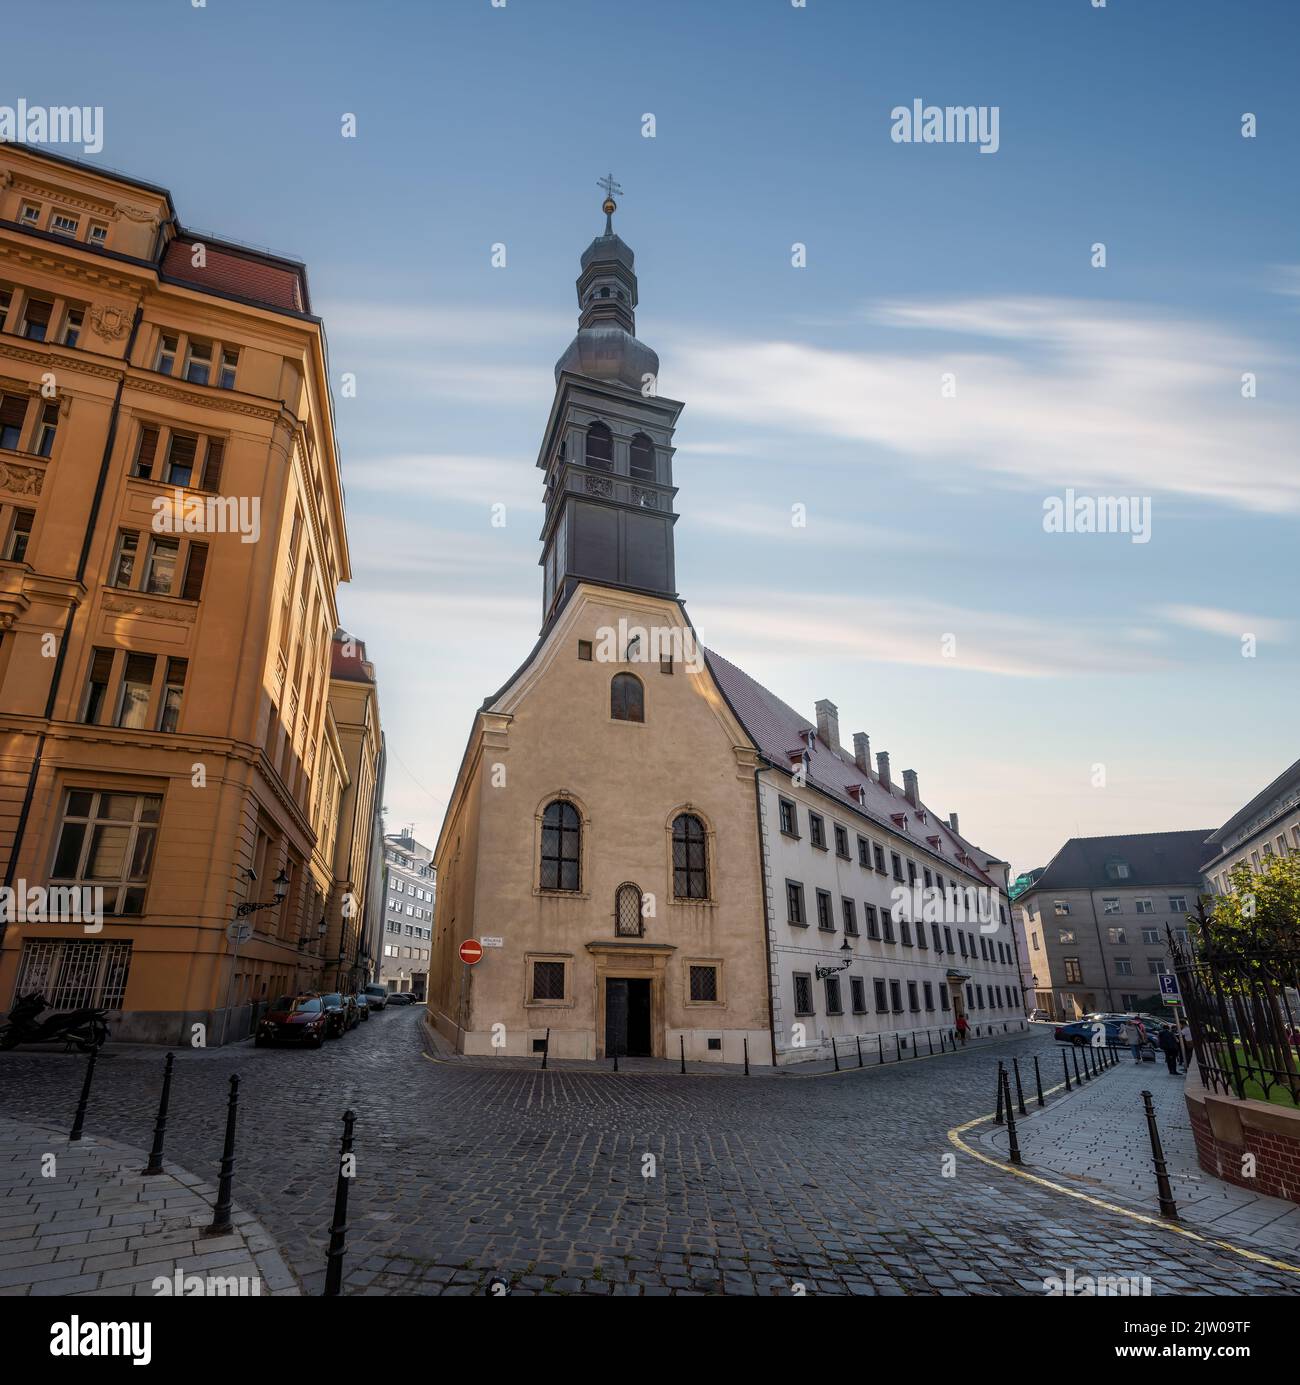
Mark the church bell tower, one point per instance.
(608, 450)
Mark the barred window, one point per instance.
(882, 1000)
(107, 840)
(74, 975)
(858, 992)
(690, 858)
(561, 847)
(628, 920)
(803, 995)
(833, 1006)
(548, 980)
(704, 983)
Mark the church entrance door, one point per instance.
(627, 1016)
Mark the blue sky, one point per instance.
(817, 386)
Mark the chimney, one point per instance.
(862, 752)
(952, 822)
(882, 762)
(910, 791)
(828, 723)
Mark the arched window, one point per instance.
(600, 447)
(690, 858)
(561, 846)
(627, 911)
(626, 698)
(642, 461)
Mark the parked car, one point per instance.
(336, 1015)
(1083, 1032)
(353, 1009)
(378, 996)
(1037, 1015)
(294, 1019)
(401, 998)
(362, 1001)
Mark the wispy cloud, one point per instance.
(1232, 624)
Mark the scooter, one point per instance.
(86, 1029)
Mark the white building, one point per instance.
(409, 889)
(1269, 825)
(883, 922)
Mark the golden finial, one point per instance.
(609, 206)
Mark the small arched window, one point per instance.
(626, 698)
(690, 858)
(642, 458)
(627, 911)
(561, 847)
(600, 447)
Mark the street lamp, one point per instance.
(280, 887)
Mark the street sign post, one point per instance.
(471, 951)
(1169, 992)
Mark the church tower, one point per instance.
(608, 449)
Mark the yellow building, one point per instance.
(173, 536)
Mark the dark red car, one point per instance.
(294, 1019)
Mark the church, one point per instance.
(626, 815)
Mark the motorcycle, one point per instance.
(86, 1029)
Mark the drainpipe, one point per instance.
(767, 923)
(60, 658)
(1105, 971)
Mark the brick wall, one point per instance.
(1226, 1129)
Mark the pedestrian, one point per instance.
(1130, 1035)
(1169, 1046)
(1185, 1034)
(962, 1027)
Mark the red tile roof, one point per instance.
(774, 725)
(241, 273)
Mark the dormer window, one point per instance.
(1117, 869)
(600, 447)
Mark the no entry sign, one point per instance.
(471, 951)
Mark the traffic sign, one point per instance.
(239, 931)
(471, 951)
(1169, 988)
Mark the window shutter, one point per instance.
(194, 569)
(13, 410)
(182, 451)
(148, 449)
(212, 464)
(37, 310)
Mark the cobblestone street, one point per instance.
(835, 1182)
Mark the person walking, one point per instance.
(1185, 1036)
(1169, 1046)
(1130, 1035)
(962, 1027)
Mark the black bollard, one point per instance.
(221, 1213)
(929, 1038)
(835, 1053)
(1087, 1068)
(1038, 1080)
(682, 1039)
(746, 1055)
(1168, 1207)
(997, 1119)
(615, 1057)
(80, 1118)
(339, 1226)
(1013, 1144)
(1020, 1095)
(880, 1049)
(1078, 1081)
(858, 1037)
(155, 1164)
(898, 1048)
(546, 1049)
(1065, 1063)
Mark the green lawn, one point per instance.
(1249, 1063)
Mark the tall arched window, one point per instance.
(626, 698)
(642, 458)
(627, 911)
(561, 846)
(600, 447)
(690, 858)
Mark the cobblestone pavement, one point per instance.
(78, 1217)
(835, 1183)
(1098, 1139)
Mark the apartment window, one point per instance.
(73, 322)
(166, 358)
(133, 699)
(1061, 908)
(1110, 906)
(911, 873)
(101, 672)
(789, 818)
(145, 452)
(561, 846)
(196, 562)
(794, 903)
(36, 319)
(20, 533)
(961, 938)
(704, 984)
(6, 299)
(825, 921)
(64, 225)
(833, 1003)
(1178, 902)
(1065, 935)
(1150, 937)
(841, 842)
(947, 938)
(879, 853)
(30, 214)
(905, 932)
(935, 938)
(882, 1000)
(123, 568)
(850, 910)
(1073, 971)
(858, 995)
(75, 975)
(896, 997)
(182, 450)
(198, 362)
(887, 924)
(13, 414)
(1157, 966)
(817, 831)
(173, 690)
(1145, 906)
(897, 862)
(107, 839)
(943, 997)
(46, 430)
(98, 233)
(864, 852)
(929, 995)
(1117, 935)
(913, 998)
(869, 918)
(548, 980)
(160, 566)
(803, 993)
(229, 365)
(1123, 966)
(984, 947)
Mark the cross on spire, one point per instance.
(609, 207)
(610, 186)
